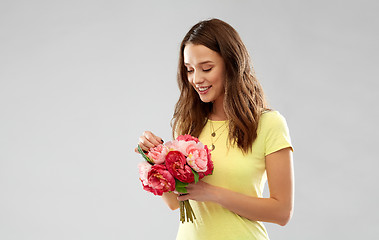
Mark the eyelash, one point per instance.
(205, 70)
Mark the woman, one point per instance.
(223, 104)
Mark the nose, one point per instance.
(197, 77)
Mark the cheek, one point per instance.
(191, 84)
(218, 79)
(189, 79)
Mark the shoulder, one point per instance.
(274, 132)
(272, 119)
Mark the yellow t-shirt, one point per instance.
(240, 173)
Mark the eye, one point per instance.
(207, 70)
(189, 70)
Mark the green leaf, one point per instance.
(196, 175)
(181, 189)
(180, 186)
(144, 155)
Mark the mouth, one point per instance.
(203, 90)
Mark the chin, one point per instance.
(206, 100)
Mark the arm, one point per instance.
(276, 209)
(171, 199)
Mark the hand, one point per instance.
(148, 140)
(201, 191)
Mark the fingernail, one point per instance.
(162, 141)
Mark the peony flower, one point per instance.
(158, 154)
(180, 146)
(187, 138)
(209, 164)
(160, 180)
(144, 168)
(197, 156)
(176, 165)
(179, 161)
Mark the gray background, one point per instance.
(81, 80)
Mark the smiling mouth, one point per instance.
(203, 89)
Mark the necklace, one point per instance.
(213, 134)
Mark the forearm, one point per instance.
(171, 200)
(253, 208)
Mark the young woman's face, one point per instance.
(205, 72)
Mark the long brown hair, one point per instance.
(244, 99)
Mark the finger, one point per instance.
(159, 139)
(152, 138)
(183, 197)
(145, 144)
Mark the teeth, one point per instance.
(203, 88)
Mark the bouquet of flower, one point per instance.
(172, 166)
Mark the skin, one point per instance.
(206, 68)
(279, 165)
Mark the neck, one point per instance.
(218, 111)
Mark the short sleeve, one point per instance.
(276, 131)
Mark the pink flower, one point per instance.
(187, 138)
(197, 156)
(176, 165)
(209, 164)
(144, 168)
(176, 145)
(160, 180)
(158, 154)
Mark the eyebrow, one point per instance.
(204, 62)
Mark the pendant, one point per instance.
(213, 147)
(213, 134)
